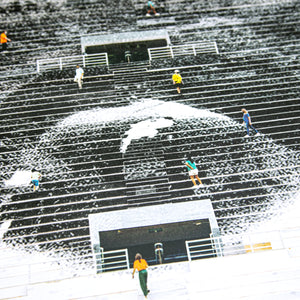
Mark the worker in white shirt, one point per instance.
(79, 76)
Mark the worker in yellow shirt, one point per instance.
(177, 80)
(141, 266)
(4, 39)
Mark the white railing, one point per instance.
(19, 268)
(201, 248)
(112, 260)
(20, 271)
(182, 50)
(242, 244)
(71, 61)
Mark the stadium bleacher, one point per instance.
(83, 170)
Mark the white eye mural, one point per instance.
(96, 151)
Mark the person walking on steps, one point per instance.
(177, 80)
(3, 40)
(141, 266)
(247, 122)
(35, 179)
(151, 8)
(193, 171)
(79, 76)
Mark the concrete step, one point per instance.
(136, 70)
(146, 190)
(147, 181)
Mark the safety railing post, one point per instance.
(38, 66)
(29, 273)
(149, 54)
(219, 246)
(216, 47)
(171, 51)
(60, 63)
(188, 250)
(251, 244)
(127, 259)
(83, 60)
(106, 58)
(194, 50)
(282, 240)
(101, 258)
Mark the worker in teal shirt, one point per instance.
(151, 8)
(193, 171)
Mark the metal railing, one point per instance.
(38, 267)
(20, 271)
(71, 61)
(182, 50)
(202, 248)
(241, 244)
(112, 260)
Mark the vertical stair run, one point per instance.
(145, 173)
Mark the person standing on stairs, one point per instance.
(35, 179)
(193, 171)
(3, 40)
(79, 76)
(151, 8)
(141, 266)
(177, 80)
(247, 122)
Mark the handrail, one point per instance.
(111, 260)
(71, 61)
(62, 267)
(185, 49)
(224, 245)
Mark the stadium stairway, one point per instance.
(256, 68)
(66, 198)
(265, 275)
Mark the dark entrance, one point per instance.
(142, 239)
(116, 52)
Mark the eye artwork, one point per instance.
(108, 133)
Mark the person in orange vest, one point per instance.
(141, 266)
(4, 39)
